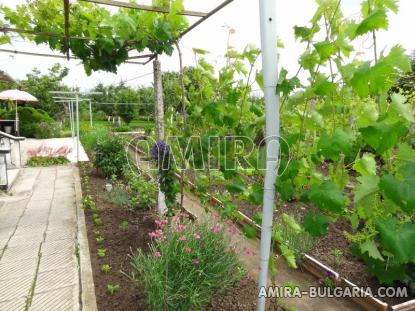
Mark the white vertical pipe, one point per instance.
(90, 113)
(268, 15)
(77, 128)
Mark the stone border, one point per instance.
(88, 299)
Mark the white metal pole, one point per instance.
(90, 113)
(77, 128)
(71, 119)
(268, 14)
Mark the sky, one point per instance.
(212, 35)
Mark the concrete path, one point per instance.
(40, 239)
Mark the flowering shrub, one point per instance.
(187, 264)
(48, 151)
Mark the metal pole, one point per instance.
(90, 113)
(77, 128)
(268, 14)
(71, 114)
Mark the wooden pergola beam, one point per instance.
(145, 7)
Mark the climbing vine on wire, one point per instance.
(107, 36)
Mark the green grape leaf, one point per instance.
(399, 192)
(325, 49)
(382, 135)
(367, 116)
(406, 153)
(200, 51)
(304, 33)
(331, 147)
(371, 249)
(374, 21)
(400, 108)
(286, 190)
(309, 60)
(323, 87)
(366, 165)
(328, 197)
(316, 224)
(399, 239)
(366, 188)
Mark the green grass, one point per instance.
(47, 161)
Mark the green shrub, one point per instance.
(89, 136)
(110, 156)
(33, 123)
(47, 161)
(144, 192)
(187, 265)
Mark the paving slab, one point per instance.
(39, 268)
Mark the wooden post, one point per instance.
(159, 118)
(158, 100)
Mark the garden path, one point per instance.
(44, 256)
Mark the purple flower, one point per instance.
(159, 150)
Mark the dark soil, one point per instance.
(119, 243)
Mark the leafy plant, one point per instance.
(200, 250)
(106, 268)
(110, 155)
(101, 252)
(99, 239)
(113, 288)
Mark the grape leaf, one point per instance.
(374, 21)
(406, 153)
(324, 49)
(371, 249)
(382, 135)
(365, 193)
(400, 108)
(316, 224)
(366, 165)
(331, 147)
(327, 196)
(399, 239)
(400, 192)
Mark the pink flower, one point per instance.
(195, 261)
(182, 238)
(196, 236)
(158, 234)
(180, 227)
(216, 228)
(187, 250)
(157, 254)
(161, 223)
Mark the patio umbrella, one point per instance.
(17, 95)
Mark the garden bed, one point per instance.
(120, 240)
